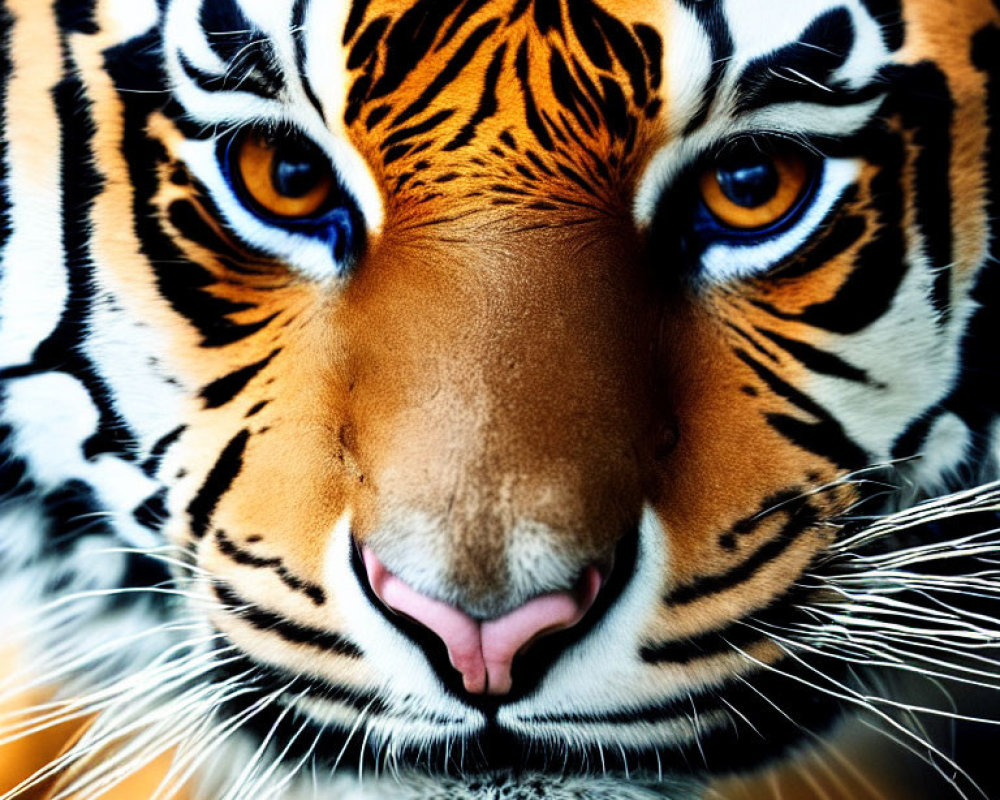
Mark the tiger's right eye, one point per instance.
(750, 190)
(286, 178)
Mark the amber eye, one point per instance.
(287, 178)
(748, 190)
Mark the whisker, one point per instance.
(850, 697)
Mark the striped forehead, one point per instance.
(507, 96)
(407, 86)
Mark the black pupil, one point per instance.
(749, 183)
(295, 172)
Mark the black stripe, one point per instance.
(249, 55)
(825, 437)
(560, 135)
(237, 80)
(74, 510)
(781, 712)
(358, 94)
(519, 10)
(299, 37)
(535, 159)
(816, 360)
(188, 216)
(232, 551)
(410, 40)
(713, 20)
(152, 463)
(458, 61)
(666, 711)
(703, 646)
(466, 12)
(880, 265)
(920, 97)
(354, 19)
(286, 728)
(912, 440)
(62, 351)
(627, 51)
(396, 153)
(568, 92)
(152, 512)
(652, 47)
(578, 179)
(582, 16)
(548, 16)
(6, 25)
(505, 189)
(487, 102)
(76, 16)
(592, 94)
(227, 29)
(13, 469)
(801, 515)
(835, 237)
(533, 118)
(365, 48)
(376, 115)
(703, 587)
(223, 390)
(746, 337)
(599, 167)
(257, 408)
(780, 614)
(619, 122)
(923, 97)
(418, 129)
(219, 479)
(281, 626)
(791, 73)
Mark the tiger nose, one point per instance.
(483, 651)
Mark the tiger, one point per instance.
(497, 398)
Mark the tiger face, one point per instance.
(500, 377)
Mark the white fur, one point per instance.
(33, 280)
(947, 446)
(131, 17)
(128, 353)
(761, 26)
(53, 416)
(687, 56)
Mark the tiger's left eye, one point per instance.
(749, 190)
(286, 178)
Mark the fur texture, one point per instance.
(514, 343)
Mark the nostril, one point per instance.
(455, 628)
(505, 637)
(483, 652)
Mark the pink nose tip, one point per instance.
(483, 651)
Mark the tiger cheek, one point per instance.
(727, 460)
(287, 497)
